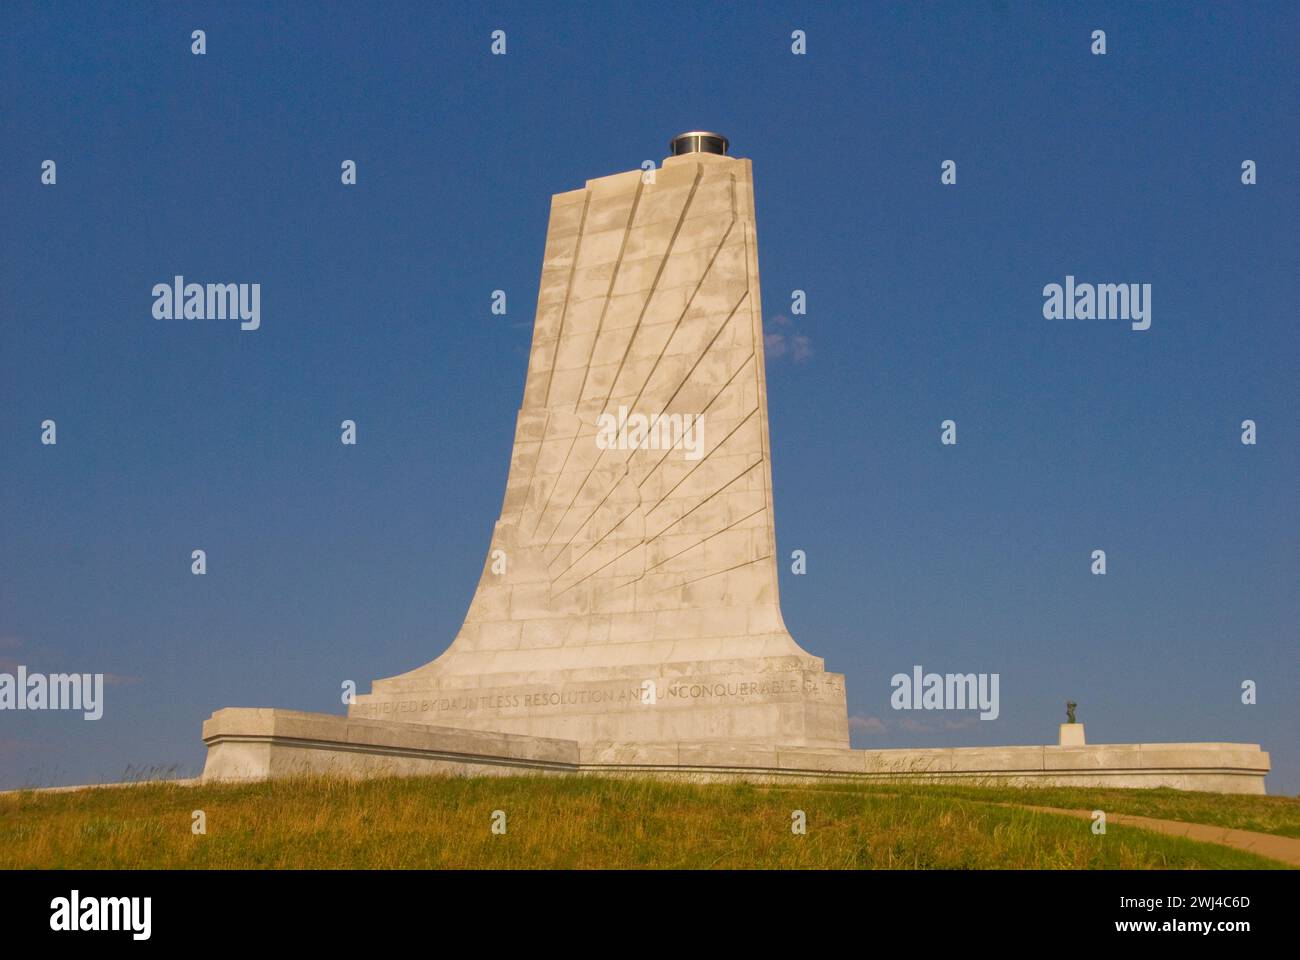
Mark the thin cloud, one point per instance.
(786, 342)
(912, 725)
(872, 725)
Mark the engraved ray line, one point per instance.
(546, 423)
(716, 533)
(550, 374)
(712, 400)
(707, 499)
(704, 459)
(609, 294)
(760, 389)
(643, 543)
(642, 575)
(537, 458)
(598, 543)
(663, 350)
(598, 539)
(580, 582)
(721, 390)
(687, 583)
(654, 286)
(618, 264)
(558, 477)
(649, 295)
(627, 471)
(627, 465)
(700, 359)
(708, 269)
(568, 289)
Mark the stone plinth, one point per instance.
(1071, 735)
(254, 744)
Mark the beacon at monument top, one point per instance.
(699, 141)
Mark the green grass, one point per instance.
(1277, 815)
(596, 823)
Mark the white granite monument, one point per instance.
(627, 619)
(635, 557)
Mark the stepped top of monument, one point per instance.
(687, 151)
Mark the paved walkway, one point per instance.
(1286, 849)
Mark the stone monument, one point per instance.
(634, 562)
(627, 620)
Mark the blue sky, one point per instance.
(329, 563)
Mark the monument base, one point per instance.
(259, 744)
(771, 700)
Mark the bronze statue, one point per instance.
(1069, 711)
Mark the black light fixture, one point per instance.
(699, 141)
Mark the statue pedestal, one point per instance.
(1072, 735)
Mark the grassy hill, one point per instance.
(613, 823)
